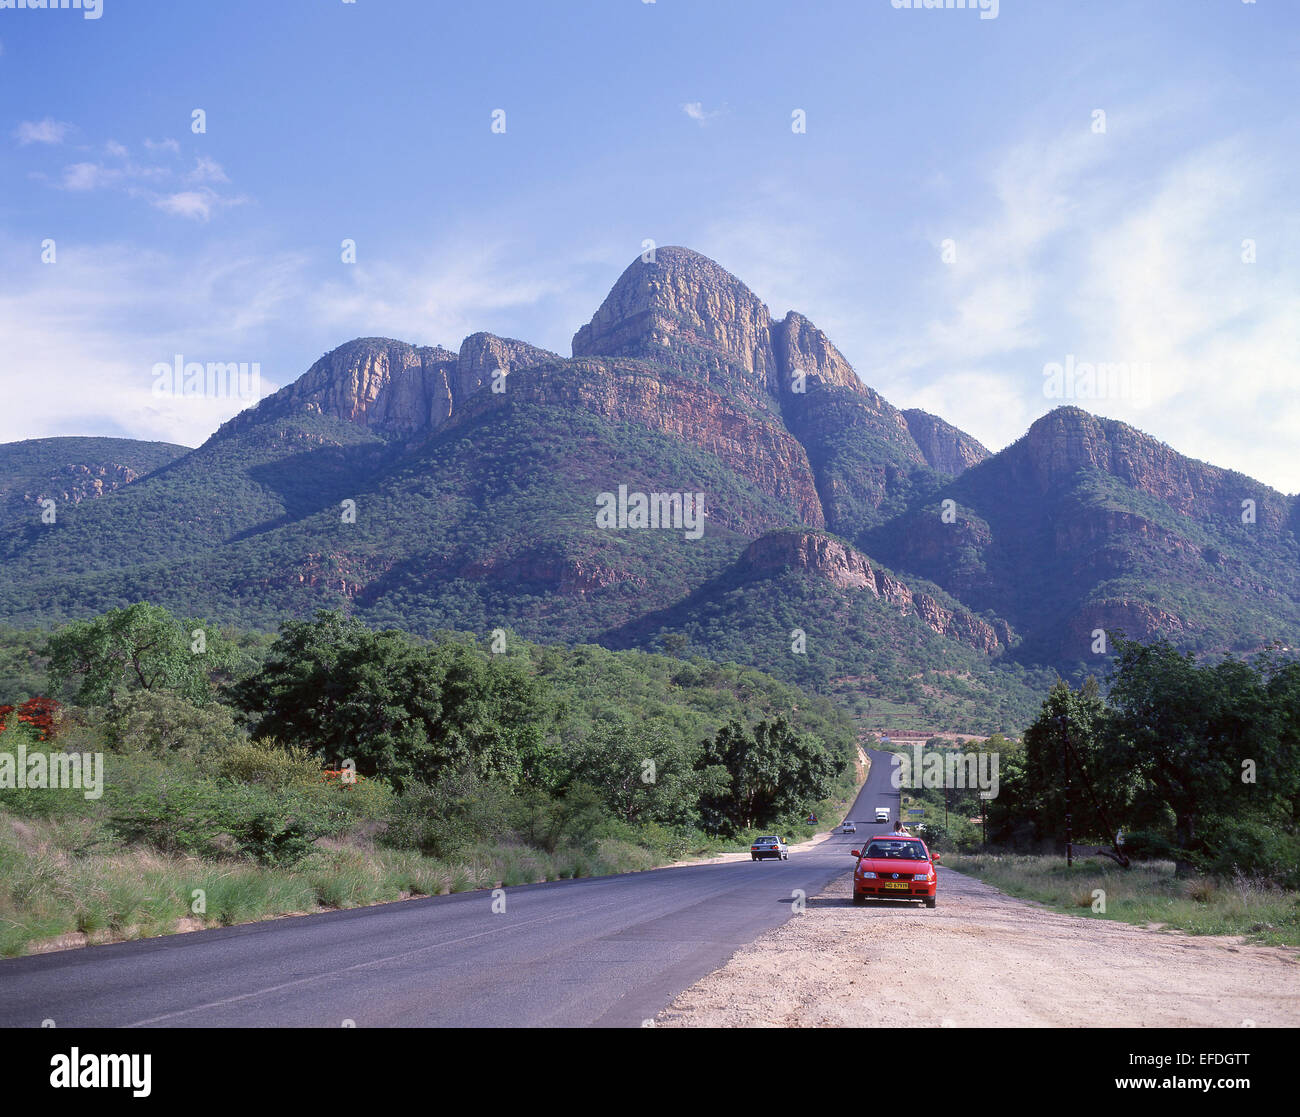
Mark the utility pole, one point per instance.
(1069, 830)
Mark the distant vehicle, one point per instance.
(770, 846)
(882, 814)
(848, 827)
(893, 867)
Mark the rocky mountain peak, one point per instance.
(946, 448)
(390, 387)
(1068, 439)
(682, 300)
(802, 347)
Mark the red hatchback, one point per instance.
(895, 867)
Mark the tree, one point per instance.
(1193, 732)
(391, 705)
(641, 771)
(1079, 718)
(141, 647)
(162, 723)
(759, 777)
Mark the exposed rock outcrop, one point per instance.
(829, 558)
(947, 449)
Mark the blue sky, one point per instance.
(669, 121)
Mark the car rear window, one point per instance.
(769, 838)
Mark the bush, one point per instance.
(449, 815)
(265, 763)
(162, 723)
(174, 808)
(1247, 847)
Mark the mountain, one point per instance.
(1086, 523)
(69, 470)
(427, 489)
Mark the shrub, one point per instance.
(1248, 847)
(265, 763)
(174, 808)
(162, 723)
(442, 818)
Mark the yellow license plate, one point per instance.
(897, 884)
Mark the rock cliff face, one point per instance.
(682, 303)
(947, 449)
(625, 391)
(1069, 439)
(824, 557)
(394, 389)
(802, 347)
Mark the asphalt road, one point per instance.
(608, 951)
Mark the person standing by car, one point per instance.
(899, 828)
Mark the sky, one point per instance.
(976, 206)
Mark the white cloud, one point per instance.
(45, 131)
(194, 204)
(84, 334)
(697, 112)
(85, 176)
(163, 145)
(1096, 252)
(207, 170)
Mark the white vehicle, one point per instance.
(769, 846)
(882, 814)
(849, 827)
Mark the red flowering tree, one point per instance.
(40, 713)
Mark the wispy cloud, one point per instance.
(197, 205)
(45, 131)
(193, 195)
(103, 317)
(1091, 252)
(207, 169)
(698, 113)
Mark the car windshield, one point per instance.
(769, 838)
(902, 850)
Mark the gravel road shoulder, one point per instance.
(982, 958)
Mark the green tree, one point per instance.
(396, 707)
(1038, 790)
(141, 647)
(642, 771)
(162, 723)
(1209, 741)
(756, 778)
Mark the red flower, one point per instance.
(37, 712)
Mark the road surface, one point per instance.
(606, 951)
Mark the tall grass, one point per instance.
(51, 886)
(1149, 892)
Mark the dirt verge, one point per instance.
(982, 958)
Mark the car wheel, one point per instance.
(930, 901)
(858, 901)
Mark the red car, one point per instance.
(895, 867)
